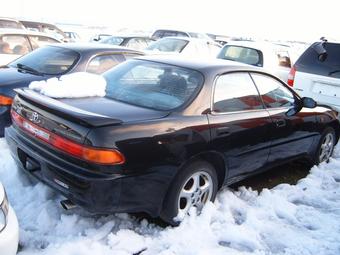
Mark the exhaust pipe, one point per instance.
(67, 204)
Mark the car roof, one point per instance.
(204, 65)
(97, 47)
(37, 22)
(24, 32)
(262, 46)
(189, 39)
(9, 19)
(131, 36)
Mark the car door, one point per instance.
(239, 124)
(291, 135)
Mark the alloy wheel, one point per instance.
(196, 192)
(326, 147)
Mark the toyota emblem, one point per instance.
(35, 118)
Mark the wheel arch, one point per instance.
(214, 158)
(336, 126)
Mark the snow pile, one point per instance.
(72, 85)
(288, 219)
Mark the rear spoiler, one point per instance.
(66, 111)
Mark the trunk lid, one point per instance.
(74, 118)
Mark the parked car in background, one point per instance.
(44, 27)
(72, 36)
(133, 42)
(54, 61)
(316, 73)
(99, 37)
(185, 46)
(9, 227)
(167, 135)
(47, 28)
(10, 23)
(16, 42)
(273, 57)
(160, 33)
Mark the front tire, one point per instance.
(194, 186)
(326, 146)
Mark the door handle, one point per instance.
(222, 131)
(280, 123)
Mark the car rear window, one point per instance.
(309, 61)
(164, 33)
(114, 40)
(152, 85)
(168, 45)
(242, 54)
(49, 60)
(11, 24)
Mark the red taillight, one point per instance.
(5, 100)
(291, 76)
(95, 155)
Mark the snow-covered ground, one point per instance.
(288, 219)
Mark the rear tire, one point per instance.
(193, 186)
(326, 146)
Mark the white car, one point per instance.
(9, 227)
(191, 47)
(161, 33)
(275, 58)
(17, 42)
(316, 73)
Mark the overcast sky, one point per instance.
(284, 19)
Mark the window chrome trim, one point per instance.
(212, 112)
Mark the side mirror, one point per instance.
(308, 102)
(305, 102)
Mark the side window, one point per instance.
(283, 58)
(14, 44)
(274, 94)
(39, 41)
(102, 63)
(236, 92)
(158, 34)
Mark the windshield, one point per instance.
(48, 60)
(11, 24)
(114, 40)
(241, 54)
(168, 45)
(152, 85)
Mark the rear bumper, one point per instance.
(97, 193)
(5, 119)
(9, 237)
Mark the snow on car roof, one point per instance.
(259, 45)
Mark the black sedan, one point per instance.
(168, 134)
(54, 61)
